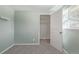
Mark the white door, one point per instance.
(56, 30)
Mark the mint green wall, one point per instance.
(6, 28)
(27, 27)
(71, 40)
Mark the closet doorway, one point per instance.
(45, 28)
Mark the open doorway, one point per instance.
(45, 29)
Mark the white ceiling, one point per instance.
(44, 9)
(37, 8)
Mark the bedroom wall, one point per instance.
(27, 27)
(71, 40)
(6, 28)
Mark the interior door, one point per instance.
(56, 30)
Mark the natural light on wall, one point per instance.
(71, 18)
(71, 29)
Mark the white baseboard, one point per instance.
(27, 43)
(65, 51)
(7, 49)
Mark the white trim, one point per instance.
(65, 51)
(27, 43)
(7, 49)
(39, 33)
(44, 13)
(45, 38)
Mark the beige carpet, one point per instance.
(43, 48)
